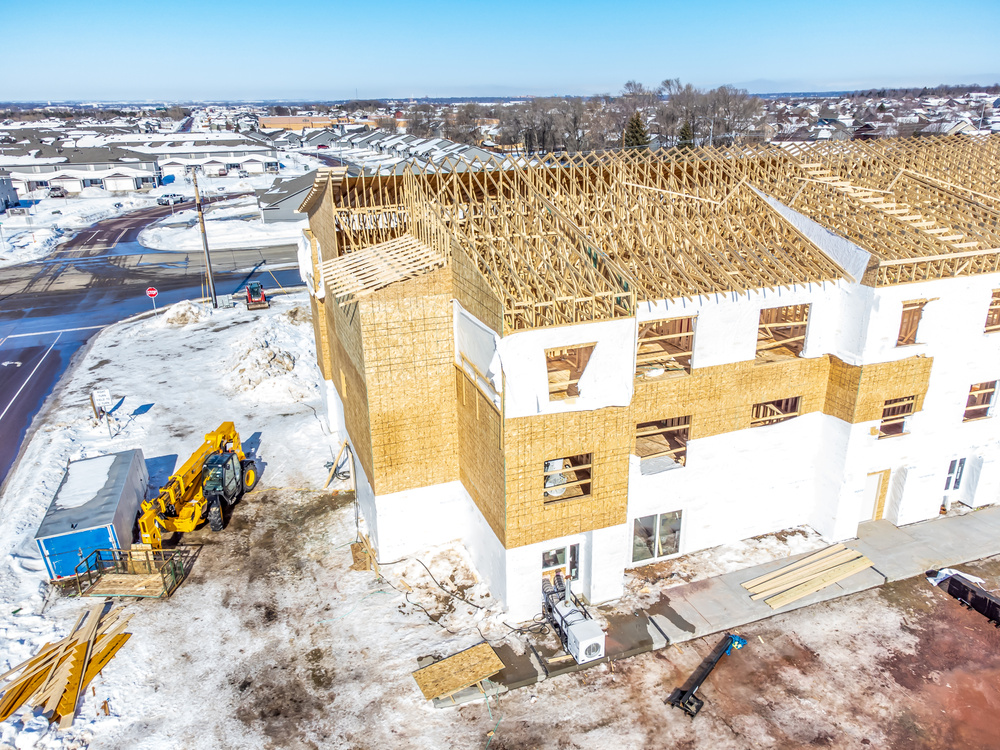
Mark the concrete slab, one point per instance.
(723, 604)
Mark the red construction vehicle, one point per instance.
(256, 299)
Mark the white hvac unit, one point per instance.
(582, 638)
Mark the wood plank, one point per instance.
(782, 583)
(797, 564)
(831, 576)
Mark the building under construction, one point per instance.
(587, 363)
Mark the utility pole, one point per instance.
(204, 239)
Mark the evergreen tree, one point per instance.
(686, 135)
(636, 135)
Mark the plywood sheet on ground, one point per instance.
(465, 668)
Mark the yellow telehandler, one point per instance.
(217, 474)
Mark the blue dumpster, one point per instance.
(94, 508)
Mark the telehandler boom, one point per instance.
(216, 474)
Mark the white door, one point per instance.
(870, 497)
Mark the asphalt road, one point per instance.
(51, 307)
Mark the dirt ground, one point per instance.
(278, 644)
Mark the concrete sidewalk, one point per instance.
(717, 604)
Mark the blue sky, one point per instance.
(219, 49)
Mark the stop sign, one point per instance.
(151, 292)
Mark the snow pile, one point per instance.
(263, 359)
(183, 313)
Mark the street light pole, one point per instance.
(204, 240)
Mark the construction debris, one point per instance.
(807, 576)
(56, 677)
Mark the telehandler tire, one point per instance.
(250, 475)
(215, 516)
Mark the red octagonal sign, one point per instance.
(151, 291)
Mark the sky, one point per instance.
(98, 50)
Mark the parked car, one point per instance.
(243, 173)
(170, 198)
(57, 192)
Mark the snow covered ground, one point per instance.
(234, 224)
(271, 600)
(54, 220)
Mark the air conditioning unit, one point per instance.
(581, 636)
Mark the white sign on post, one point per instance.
(101, 401)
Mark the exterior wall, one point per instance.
(530, 441)
(409, 372)
(480, 452)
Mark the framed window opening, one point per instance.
(895, 413)
(664, 348)
(993, 313)
(773, 412)
(565, 366)
(663, 437)
(781, 333)
(909, 322)
(656, 536)
(563, 560)
(567, 478)
(980, 402)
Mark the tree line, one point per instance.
(673, 113)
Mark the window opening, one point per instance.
(955, 470)
(993, 313)
(772, 412)
(980, 401)
(910, 322)
(656, 536)
(665, 348)
(894, 414)
(565, 367)
(663, 437)
(781, 333)
(564, 560)
(567, 478)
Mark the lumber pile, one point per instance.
(55, 678)
(807, 576)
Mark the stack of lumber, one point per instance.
(807, 576)
(55, 678)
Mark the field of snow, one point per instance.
(54, 220)
(229, 225)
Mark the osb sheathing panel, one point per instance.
(321, 334)
(720, 399)
(881, 382)
(474, 293)
(409, 362)
(347, 374)
(530, 441)
(480, 452)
